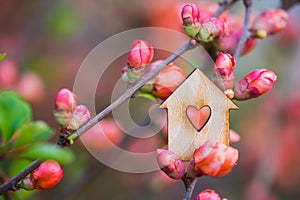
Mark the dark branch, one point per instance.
(13, 182)
(224, 6)
(189, 187)
(245, 33)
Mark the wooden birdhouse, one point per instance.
(197, 97)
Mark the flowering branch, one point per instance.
(132, 90)
(13, 182)
(245, 33)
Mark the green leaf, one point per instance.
(2, 56)
(47, 151)
(14, 113)
(32, 133)
(147, 95)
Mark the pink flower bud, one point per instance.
(65, 103)
(215, 160)
(254, 84)
(190, 13)
(271, 21)
(224, 69)
(170, 164)
(81, 115)
(212, 28)
(140, 54)
(47, 175)
(208, 195)
(167, 80)
(8, 73)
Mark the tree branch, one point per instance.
(189, 187)
(224, 6)
(13, 182)
(132, 90)
(245, 33)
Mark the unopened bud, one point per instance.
(254, 84)
(190, 19)
(81, 115)
(269, 22)
(140, 54)
(27, 184)
(47, 175)
(167, 80)
(223, 70)
(215, 160)
(170, 164)
(208, 195)
(65, 103)
(211, 28)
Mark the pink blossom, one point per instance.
(214, 160)
(140, 54)
(170, 164)
(167, 80)
(223, 69)
(271, 21)
(47, 175)
(208, 195)
(254, 84)
(212, 28)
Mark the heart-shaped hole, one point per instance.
(198, 117)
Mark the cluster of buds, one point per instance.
(205, 30)
(46, 176)
(254, 84)
(208, 159)
(67, 114)
(269, 22)
(138, 59)
(222, 34)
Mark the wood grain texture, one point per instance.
(198, 91)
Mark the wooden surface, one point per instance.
(196, 91)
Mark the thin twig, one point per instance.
(288, 4)
(13, 182)
(245, 33)
(189, 187)
(224, 6)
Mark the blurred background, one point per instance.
(46, 42)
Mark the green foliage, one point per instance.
(14, 113)
(2, 56)
(47, 151)
(32, 133)
(23, 140)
